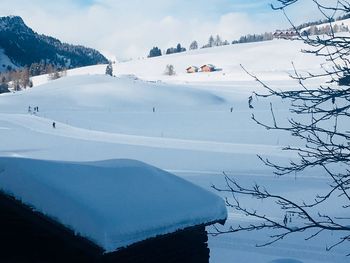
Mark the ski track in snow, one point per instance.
(303, 252)
(43, 125)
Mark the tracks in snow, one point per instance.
(44, 126)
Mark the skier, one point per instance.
(250, 100)
(54, 125)
(29, 109)
(285, 220)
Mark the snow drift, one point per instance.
(114, 203)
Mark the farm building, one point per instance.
(285, 34)
(113, 211)
(208, 68)
(192, 69)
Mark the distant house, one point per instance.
(208, 68)
(102, 212)
(285, 34)
(192, 69)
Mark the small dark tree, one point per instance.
(218, 41)
(3, 85)
(24, 78)
(109, 69)
(211, 41)
(169, 70)
(155, 52)
(324, 128)
(180, 49)
(194, 45)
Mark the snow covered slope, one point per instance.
(90, 70)
(5, 62)
(182, 124)
(270, 59)
(114, 204)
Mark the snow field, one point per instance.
(192, 132)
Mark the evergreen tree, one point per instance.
(169, 70)
(155, 52)
(194, 45)
(218, 41)
(109, 69)
(178, 48)
(211, 41)
(3, 85)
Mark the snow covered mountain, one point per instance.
(22, 46)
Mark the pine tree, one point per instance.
(155, 52)
(109, 69)
(211, 41)
(194, 45)
(218, 41)
(169, 70)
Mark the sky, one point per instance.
(129, 29)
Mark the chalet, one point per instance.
(285, 34)
(192, 69)
(112, 211)
(208, 68)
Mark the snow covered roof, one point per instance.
(208, 65)
(195, 67)
(112, 203)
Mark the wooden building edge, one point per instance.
(29, 236)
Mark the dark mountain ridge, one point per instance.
(24, 47)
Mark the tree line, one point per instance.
(18, 79)
(212, 42)
(325, 30)
(313, 28)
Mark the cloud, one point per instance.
(129, 29)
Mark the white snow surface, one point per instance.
(115, 203)
(192, 133)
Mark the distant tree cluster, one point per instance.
(15, 79)
(325, 30)
(215, 42)
(19, 79)
(155, 52)
(173, 50)
(170, 70)
(254, 38)
(322, 21)
(194, 45)
(56, 74)
(4, 87)
(313, 29)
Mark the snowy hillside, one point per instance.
(194, 125)
(274, 63)
(5, 62)
(270, 59)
